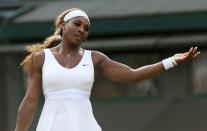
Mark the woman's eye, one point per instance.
(86, 29)
(77, 24)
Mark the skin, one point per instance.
(74, 32)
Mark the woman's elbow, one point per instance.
(134, 77)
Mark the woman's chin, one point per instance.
(76, 43)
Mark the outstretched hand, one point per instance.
(184, 57)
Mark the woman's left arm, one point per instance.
(119, 72)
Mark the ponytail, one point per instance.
(48, 43)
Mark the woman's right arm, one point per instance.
(28, 106)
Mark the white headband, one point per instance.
(75, 13)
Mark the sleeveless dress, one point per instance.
(67, 106)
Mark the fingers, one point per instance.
(184, 57)
(190, 50)
(193, 52)
(189, 53)
(196, 54)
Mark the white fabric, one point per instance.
(75, 13)
(57, 77)
(168, 63)
(67, 106)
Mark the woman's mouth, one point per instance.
(78, 37)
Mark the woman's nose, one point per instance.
(81, 30)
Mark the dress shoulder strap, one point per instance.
(48, 57)
(87, 57)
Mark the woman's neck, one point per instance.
(67, 49)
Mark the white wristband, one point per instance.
(168, 63)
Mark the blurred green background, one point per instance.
(133, 32)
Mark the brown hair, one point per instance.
(49, 42)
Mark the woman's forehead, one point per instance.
(81, 19)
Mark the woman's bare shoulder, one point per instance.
(39, 58)
(98, 57)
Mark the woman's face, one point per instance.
(76, 30)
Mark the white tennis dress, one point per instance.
(67, 106)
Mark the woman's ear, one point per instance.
(63, 27)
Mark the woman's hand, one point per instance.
(184, 57)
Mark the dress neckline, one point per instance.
(56, 61)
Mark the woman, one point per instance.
(66, 73)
